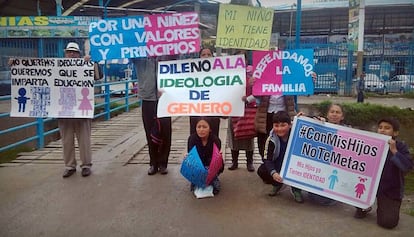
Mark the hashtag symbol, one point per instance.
(302, 131)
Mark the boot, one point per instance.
(249, 155)
(234, 160)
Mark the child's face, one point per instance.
(386, 129)
(335, 114)
(203, 129)
(281, 129)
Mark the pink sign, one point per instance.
(216, 165)
(335, 161)
(283, 72)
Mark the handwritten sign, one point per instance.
(144, 36)
(285, 72)
(335, 161)
(52, 87)
(203, 86)
(244, 27)
(193, 169)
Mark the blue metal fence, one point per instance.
(38, 130)
(336, 66)
(111, 97)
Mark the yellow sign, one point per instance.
(244, 27)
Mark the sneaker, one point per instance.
(297, 195)
(86, 172)
(163, 170)
(234, 166)
(361, 213)
(216, 186)
(152, 170)
(250, 167)
(275, 190)
(68, 172)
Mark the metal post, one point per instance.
(39, 121)
(58, 7)
(361, 25)
(298, 23)
(297, 38)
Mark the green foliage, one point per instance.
(9, 155)
(409, 183)
(410, 212)
(365, 114)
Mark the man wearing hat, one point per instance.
(79, 127)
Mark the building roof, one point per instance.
(89, 7)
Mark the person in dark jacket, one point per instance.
(361, 88)
(147, 75)
(391, 186)
(275, 149)
(203, 139)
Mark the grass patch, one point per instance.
(409, 95)
(9, 155)
(409, 183)
(410, 211)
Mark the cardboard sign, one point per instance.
(193, 169)
(335, 161)
(244, 27)
(52, 87)
(283, 72)
(145, 36)
(216, 165)
(203, 86)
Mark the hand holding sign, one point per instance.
(193, 169)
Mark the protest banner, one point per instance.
(216, 165)
(45, 26)
(193, 169)
(202, 86)
(244, 27)
(52, 87)
(283, 72)
(335, 161)
(145, 36)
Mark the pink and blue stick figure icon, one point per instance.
(22, 99)
(360, 187)
(85, 104)
(333, 178)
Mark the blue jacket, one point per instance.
(395, 167)
(275, 149)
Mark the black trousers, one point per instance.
(262, 137)
(158, 153)
(388, 211)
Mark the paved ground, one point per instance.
(120, 199)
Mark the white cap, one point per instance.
(72, 47)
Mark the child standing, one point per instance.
(275, 149)
(391, 185)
